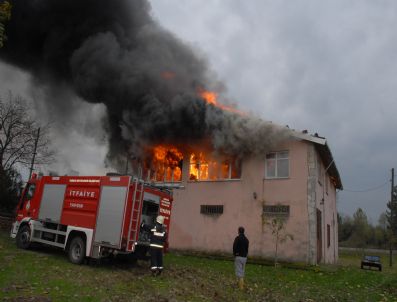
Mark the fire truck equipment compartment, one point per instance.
(52, 202)
(110, 217)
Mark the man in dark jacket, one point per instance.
(158, 236)
(240, 252)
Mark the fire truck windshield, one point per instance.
(29, 192)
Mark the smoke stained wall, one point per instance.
(114, 53)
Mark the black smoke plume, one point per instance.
(113, 52)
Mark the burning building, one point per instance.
(214, 194)
(166, 115)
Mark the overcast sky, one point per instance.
(325, 66)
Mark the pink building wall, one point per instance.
(329, 213)
(243, 202)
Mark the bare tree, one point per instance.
(277, 228)
(18, 136)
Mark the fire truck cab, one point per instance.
(89, 216)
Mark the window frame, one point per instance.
(276, 162)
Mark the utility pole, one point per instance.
(391, 219)
(34, 152)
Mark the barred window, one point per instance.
(211, 209)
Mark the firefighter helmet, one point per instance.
(160, 219)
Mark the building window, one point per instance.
(163, 165)
(277, 165)
(278, 210)
(328, 235)
(211, 209)
(203, 167)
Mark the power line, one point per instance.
(369, 189)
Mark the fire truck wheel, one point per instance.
(77, 250)
(23, 237)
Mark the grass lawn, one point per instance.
(44, 274)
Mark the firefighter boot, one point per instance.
(241, 283)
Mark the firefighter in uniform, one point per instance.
(158, 237)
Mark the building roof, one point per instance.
(325, 153)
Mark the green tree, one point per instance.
(5, 15)
(277, 227)
(380, 232)
(361, 229)
(382, 221)
(345, 227)
(391, 218)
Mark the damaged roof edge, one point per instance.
(325, 154)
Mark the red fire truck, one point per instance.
(89, 216)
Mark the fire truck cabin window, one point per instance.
(29, 192)
(203, 167)
(277, 165)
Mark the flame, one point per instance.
(204, 167)
(166, 163)
(209, 97)
(170, 155)
(198, 166)
(212, 98)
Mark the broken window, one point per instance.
(277, 164)
(203, 167)
(165, 165)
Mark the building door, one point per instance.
(319, 237)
